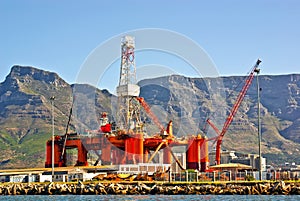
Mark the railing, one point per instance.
(283, 175)
(187, 176)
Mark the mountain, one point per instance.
(190, 101)
(26, 112)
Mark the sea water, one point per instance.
(151, 197)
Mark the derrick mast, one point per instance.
(128, 112)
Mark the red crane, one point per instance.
(233, 111)
(151, 114)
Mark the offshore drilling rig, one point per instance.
(126, 141)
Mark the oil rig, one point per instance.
(126, 141)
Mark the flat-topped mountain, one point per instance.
(26, 112)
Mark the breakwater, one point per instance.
(140, 188)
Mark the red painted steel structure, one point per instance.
(123, 147)
(193, 154)
(233, 111)
(204, 160)
(124, 150)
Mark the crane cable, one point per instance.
(67, 129)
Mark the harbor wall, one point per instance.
(132, 188)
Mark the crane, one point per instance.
(148, 110)
(233, 111)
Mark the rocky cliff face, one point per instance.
(190, 101)
(25, 112)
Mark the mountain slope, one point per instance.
(26, 116)
(196, 99)
(25, 112)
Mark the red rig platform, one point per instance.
(119, 147)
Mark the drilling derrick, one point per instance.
(128, 111)
(128, 116)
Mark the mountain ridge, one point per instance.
(25, 111)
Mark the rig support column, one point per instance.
(167, 156)
(193, 154)
(204, 154)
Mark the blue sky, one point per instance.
(59, 35)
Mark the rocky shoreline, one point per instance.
(267, 188)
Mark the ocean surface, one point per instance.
(152, 197)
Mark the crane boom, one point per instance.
(150, 113)
(233, 111)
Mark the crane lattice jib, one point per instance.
(150, 113)
(233, 112)
(239, 99)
